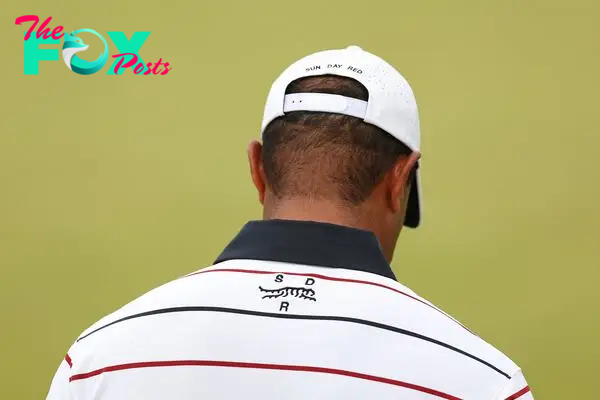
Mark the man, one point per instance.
(304, 304)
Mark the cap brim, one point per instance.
(413, 208)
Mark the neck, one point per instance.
(359, 217)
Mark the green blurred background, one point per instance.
(112, 185)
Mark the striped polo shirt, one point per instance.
(289, 310)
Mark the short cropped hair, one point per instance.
(327, 156)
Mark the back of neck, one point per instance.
(317, 211)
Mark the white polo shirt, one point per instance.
(290, 310)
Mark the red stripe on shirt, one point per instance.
(329, 278)
(233, 364)
(68, 360)
(519, 393)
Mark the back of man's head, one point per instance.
(326, 156)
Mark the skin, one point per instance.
(382, 213)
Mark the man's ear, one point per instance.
(256, 169)
(400, 180)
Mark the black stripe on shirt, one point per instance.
(300, 317)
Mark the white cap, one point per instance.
(391, 105)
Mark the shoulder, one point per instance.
(441, 325)
(167, 295)
(175, 293)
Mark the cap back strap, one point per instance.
(322, 102)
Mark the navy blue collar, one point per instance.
(309, 243)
